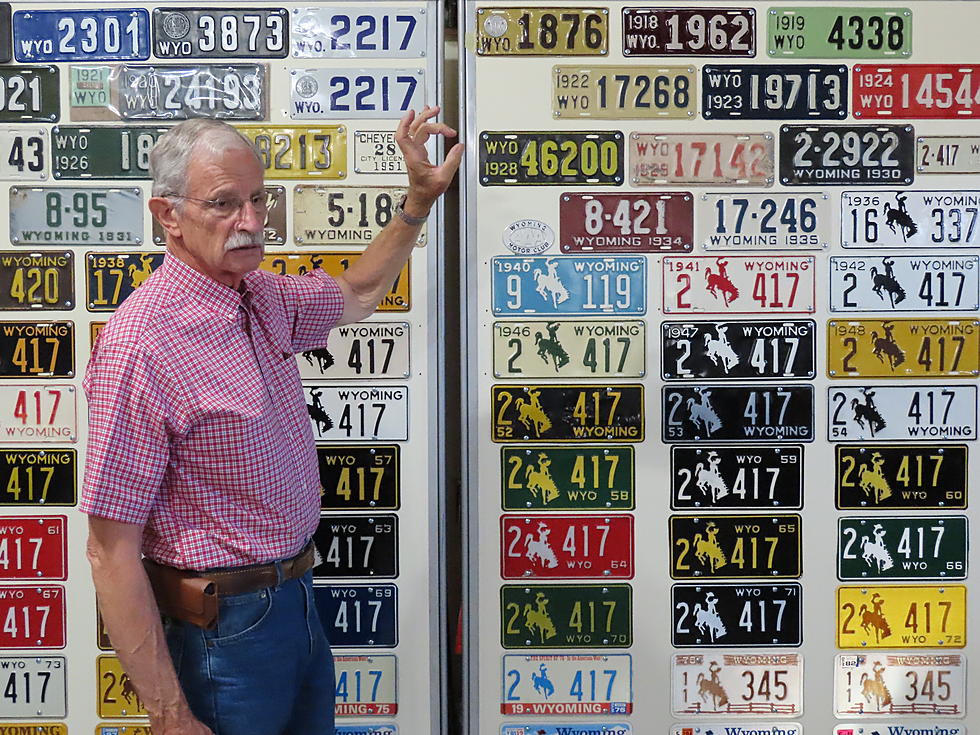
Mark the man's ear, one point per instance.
(165, 212)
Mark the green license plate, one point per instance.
(42, 280)
(29, 94)
(902, 547)
(111, 277)
(567, 478)
(38, 477)
(566, 615)
(116, 152)
(840, 33)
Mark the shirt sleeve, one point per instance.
(314, 303)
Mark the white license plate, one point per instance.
(567, 684)
(738, 284)
(333, 94)
(910, 219)
(387, 31)
(756, 728)
(365, 685)
(764, 221)
(356, 413)
(344, 215)
(886, 412)
(737, 684)
(904, 283)
(364, 350)
(23, 153)
(376, 152)
(75, 215)
(701, 158)
(38, 413)
(900, 684)
(33, 686)
(947, 154)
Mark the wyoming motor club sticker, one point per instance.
(528, 237)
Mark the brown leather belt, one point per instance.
(252, 578)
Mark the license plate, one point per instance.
(357, 546)
(36, 477)
(566, 547)
(111, 277)
(528, 31)
(757, 728)
(29, 94)
(33, 548)
(548, 157)
(365, 350)
(297, 153)
(360, 478)
(902, 476)
(381, 730)
(43, 280)
(902, 412)
(388, 31)
(626, 223)
(375, 152)
(38, 413)
(34, 686)
(37, 349)
(116, 729)
(75, 216)
(567, 478)
(344, 215)
(340, 93)
(738, 413)
(365, 685)
(567, 684)
(738, 284)
(840, 33)
(914, 616)
(109, 152)
(274, 224)
(222, 33)
(902, 547)
(701, 158)
(838, 155)
(569, 349)
(623, 92)
(737, 350)
(399, 298)
(737, 615)
(120, 34)
(904, 283)
(743, 684)
(34, 617)
(764, 221)
(774, 92)
(566, 615)
(916, 91)
(947, 154)
(720, 477)
(358, 616)
(356, 413)
(900, 684)
(573, 413)
(116, 697)
(688, 32)
(578, 728)
(910, 219)
(23, 154)
(95, 329)
(735, 547)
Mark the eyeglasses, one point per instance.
(228, 206)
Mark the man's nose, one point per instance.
(250, 219)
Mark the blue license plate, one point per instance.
(358, 615)
(121, 34)
(570, 286)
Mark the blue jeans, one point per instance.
(266, 669)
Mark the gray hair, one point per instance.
(172, 153)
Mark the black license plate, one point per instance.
(764, 350)
(738, 413)
(710, 477)
(361, 616)
(111, 277)
(901, 476)
(735, 547)
(38, 477)
(520, 159)
(688, 32)
(43, 280)
(737, 614)
(29, 94)
(566, 615)
(37, 349)
(842, 155)
(359, 478)
(357, 546)
(225, 33)
(774, 92)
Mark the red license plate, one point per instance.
(627, 223)
(701, 158)
(916, 91)
(33, 547)
(566, 547)
(33, 617)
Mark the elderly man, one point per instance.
(201, 455)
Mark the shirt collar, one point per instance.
(209, 293)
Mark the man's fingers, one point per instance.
(423, 132)
(453, 159)
(404, 125)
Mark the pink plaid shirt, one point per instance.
(197, 435)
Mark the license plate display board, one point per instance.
(566, 547)
(34, 686)
(34, 617)
(904, 283)
(529, 31)
(913, 616)
(548, 158)
(737, 615)
(39, 413)
(566, 615)
(623, 92)
(23, 153)
(703, 159)
(119, 34)
(626, 223)
(572, 413)
(75, 215)
(742, 684)
(735, 547)
(357, 546)
(109, 152)
(840, 33)
(361, 32)
(29, 94)
(567, 684)
(917, 91)
(887, 412)
(360, 478)
(332, 94)
(722, 477)
(297, 153)
(738, 413)
(774, 92)
(910, 219)
(902, 476)
(37, 349)
(365, 350)
(902, 547)
(738, 284)
(893, 684)
(838, 155)
(35, 477)
(344, 215)
(365, 685)
(354, 413)
(688, 32)
(33, 548)
(567, 478)
(399, 298)
(947, 154)
(111, 277)
(41, 280)
(356, 616)
(764, 221)
(187, 33)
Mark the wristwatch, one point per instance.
(407, 218)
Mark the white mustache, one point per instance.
(243, 240)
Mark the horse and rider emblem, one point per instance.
(707, 620)
(531, 414)
(866, 414)
(874, 552)
(549, 348)
(719, 284)
(702, 415)
(549, 285)
(719, 350)
(537, 620)
(872, 480)
(886, 349)
(897, 217)
(708, 479)
(885, 282)
(538, 479)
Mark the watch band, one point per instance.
(407, 218)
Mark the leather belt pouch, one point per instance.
(183, 595)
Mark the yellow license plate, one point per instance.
(94, 330)
(542, 31)
(570, 348)
(623, 92)
(903, 348)
(913, 616)
(344, 215)
(297, 153)
(399, 298)
(117, 697)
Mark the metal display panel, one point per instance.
(532, 93)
